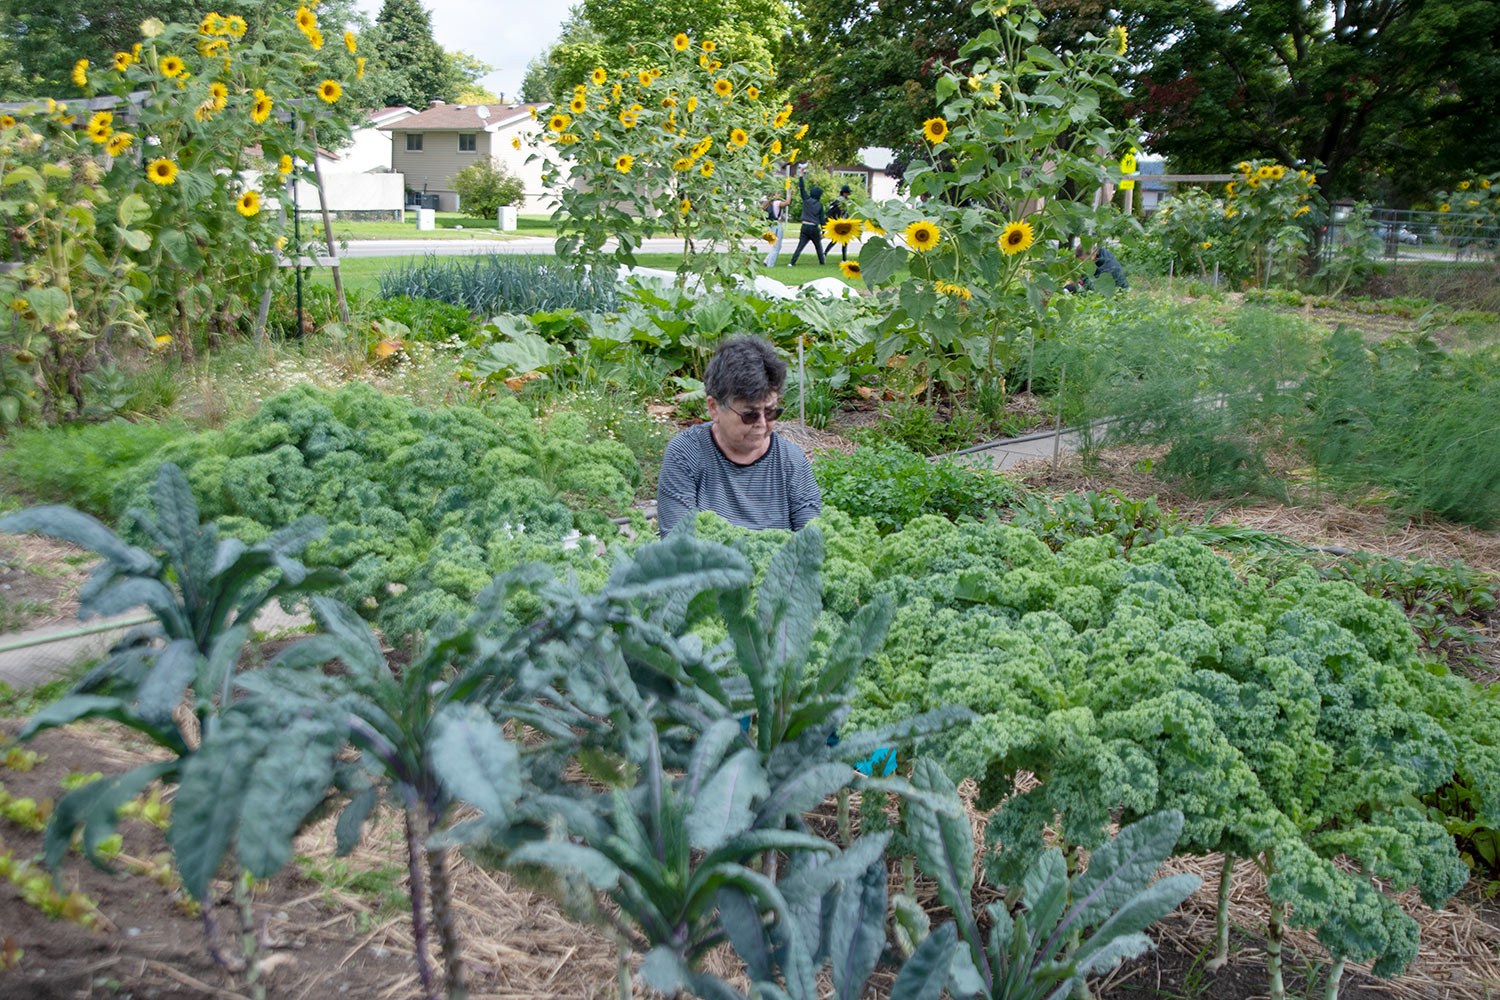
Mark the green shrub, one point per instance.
(919, 428)
(80, 464)
(427, 319)
(501, 283)
(893, 485)
(486, 186)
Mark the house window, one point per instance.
(468, 142)
(414, 142)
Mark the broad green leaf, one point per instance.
(679, 562)
(563, 857)
(176, 667)
(722, 807)
(207, 808)
(1124, 866)
(349, 829)
(130, 592)
(909, 922)
(288, 782)
(879, 261)
(709, 750)
(925, 973)
(522, 353)
(845, 868)
(803, 791)
(359, 649)
(177, 516)
(857, 936)
(136, 239)
(861, 639)
(743, 923)
(25, 175)
(474, 761)
(133, 209)
(943, 844)
(56, 521)
(790, 598)
(663, 970)
(946, 88)
(1141, 911)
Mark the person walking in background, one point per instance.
(776, 218)
(840, 210)
(1104, 263)
(813, 218)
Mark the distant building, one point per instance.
(431, 146)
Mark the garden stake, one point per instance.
(1216, 274)
(338, 281)
(801, 385)
(1062, 384)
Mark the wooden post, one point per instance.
(1062, 386)
(338, 281)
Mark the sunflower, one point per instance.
(769, 238)
(782, 117)
(1121, 38)
(692, 104)
(249, 204)
(841, 231)
(723, 87)
(6, 121)
(753, 93)
(1229, 188)
(578, 105)
(681, 41)
(685, 206)
(330, 91)
(801, 131)
(738, 137)
(315, 39)
(284, 165)
(1263, 172)
(212, 24)
(792, 156)
(515, 142)
(219, 95)
(703, 146)
(81, 72)
(922, 236)
(306, 19)
(1301, 211)
(624, 163)
(235, 26)
(162, 171)
(598, 75)
(1278, 172)
(260, 109)
(935, 130)
(850, 268)
(776, 146)
(359, 68)
(629, 119)
(559, 122)
(123, 61)
(1484, 184)
(350, 42)
(707, 170)
(873, 229)
(950, 289)
(99, 133)
(101, 118)
(1016, 237)
(1462, 185)
(708, 45)
(171, 66)
(1206, 245)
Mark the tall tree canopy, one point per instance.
(1389, 98)
(417, 70)
(40, 40)
(609, 33)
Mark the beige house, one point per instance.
(433, 145)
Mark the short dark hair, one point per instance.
(744, 368)
(844, 189)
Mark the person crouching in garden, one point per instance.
(736, 465)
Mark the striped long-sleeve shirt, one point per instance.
(776, 490)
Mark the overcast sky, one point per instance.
(507, 34)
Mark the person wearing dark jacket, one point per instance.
(813, 218)
(840, 210)
(1104, 263)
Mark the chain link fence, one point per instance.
(1408, 235)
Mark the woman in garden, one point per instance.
(735, 465)
(813, 218)
(776, 215)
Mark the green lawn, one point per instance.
(450, 226)
(362, 274)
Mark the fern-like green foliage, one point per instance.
(423, 507)
(893, 485)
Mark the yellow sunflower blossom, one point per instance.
(284, 165)
(709, 45)
(703, 146)
(624, 162)
(1462, 185)
(1017, 237)
(249, 204)
(935, 130)
(559, 122)
(515, 142)
(685, 206)
(629, 119)
(260, 107)
(955, 291)
(218, 95)
(350, 42)
(849, 268)
(801, 131)
(6, 121)
(162, 171)
(81, 72)
(738, 137)
(753, 93)
(769, 237)
(682, 163)
(841, 231)
(306, 19)
(707, 170)
(235, 26)
(681, 41)
(330, 91)
(171, 66)
(692, 103)
(123, 61)
(578, 105)
(723, 87)
(922, 236)
(1301, 211)
(99, 133)
(1485, 184)
(598, 76)
(1263, 172)
(1253, 180)
(359, 69)
(1206, 245)
(1278, 172)
(1121, 39)
(315, 39)
(776, 146)
(212, 24)
(782, 117)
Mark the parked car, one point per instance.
(1399, 234)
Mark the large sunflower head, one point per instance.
(161, 171)
(935, 130)
(219, 94)
(682, 163)
(235, 26)
(753, 93)
(708, 45)
(284, 165)
(723, 87)
(738, 137)
(81, 72)
(559, 122)
(841, 231)
(707, 170)
(330, 91)
(685, 206)
(1263, 172)
(350, 42)
(306, 19)
(171, 66)
(769, 237)
(260, 109)
(680, 41)
(1278, 172)
(624, 162)
(850, 268)
(578, 105)
(118, 143)
(123, 61)
(248, 204)
(922, 236)
(598, 76)
(1017, 237)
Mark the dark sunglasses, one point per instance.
(770, 413)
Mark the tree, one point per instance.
(863, 73)
(466, 70)
(44, 38)
(419, 71)
(1381, 97)
(552, 74)
(485, 187)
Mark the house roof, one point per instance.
(462, 118)
(386, 114)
